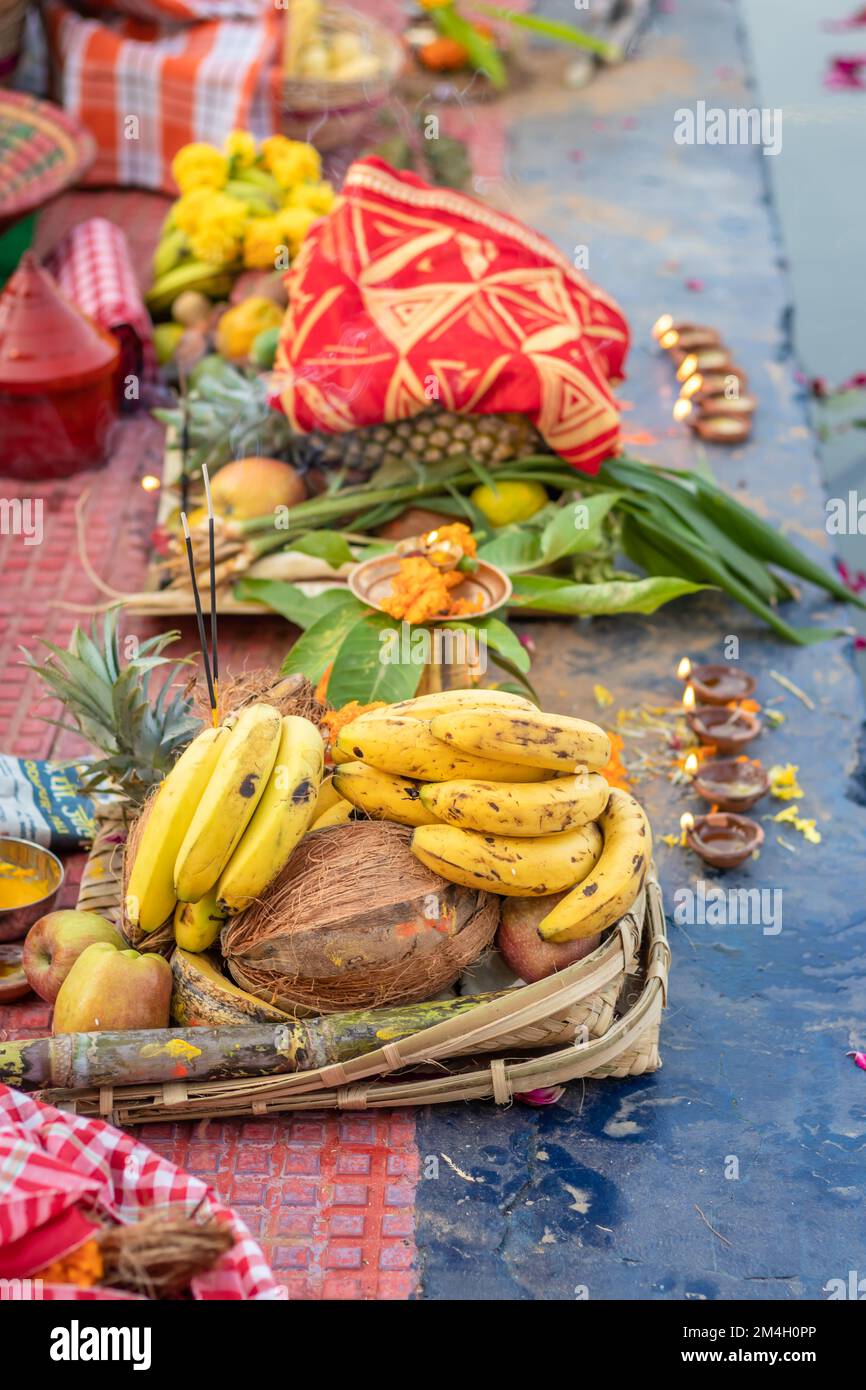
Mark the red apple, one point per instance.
(109, 989)
(523, 949)
(54, 943)
(255, 486)
(13, 981)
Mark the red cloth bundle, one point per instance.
(407, 295)
(55, 1168)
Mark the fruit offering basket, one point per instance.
(599, 1019)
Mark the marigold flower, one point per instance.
(294, 223)
(190, 207)
(295, 163)
(263, 237)
(240, 147)
(319, 197)
(199, 166)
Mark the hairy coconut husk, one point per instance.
(356, 921)
(161, 942)
(288, 694)
(161, 1253)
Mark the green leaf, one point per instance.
(513, 549)
(550, 595)
(290, 601)
(314, 651)
(368, 667)
(329, 546)
(576, 527)
(552, 29)
(481, 51)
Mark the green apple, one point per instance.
(109, 989)
(54, 943)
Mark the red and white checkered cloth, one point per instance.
(55, 1167)
(146, 86)
(92, 267)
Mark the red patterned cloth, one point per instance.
(56, 1167)
(406, 294)
(92, 267)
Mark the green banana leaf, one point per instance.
(549, 595)
(316, 648)
(290, 601)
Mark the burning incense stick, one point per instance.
(213, 598)
(199, 618)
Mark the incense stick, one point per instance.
(213, 597)
(199, 618)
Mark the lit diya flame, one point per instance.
(691, 765)
(682, 409)
(662, 325)
(692, 386)
(684, 669)
(669, 340)
(687, 822)
(687, 367)
(689, 697)
(150, 483)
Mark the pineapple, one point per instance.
(111, 707)
(381, 453)
(227, 416)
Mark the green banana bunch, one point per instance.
(212, 280)
(170, 251)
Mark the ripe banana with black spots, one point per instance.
(526, 737)
(405, 746)
(611, 888)
(449, 701)
(197, 925)
(281, 818)
(383, 795)
(150, 893)
(518, 808)
(226, 806)
(335, 815)
(506, 864)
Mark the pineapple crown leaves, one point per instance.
(111, 706)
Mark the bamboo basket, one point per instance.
(599, 1018)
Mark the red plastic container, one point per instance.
(58, 389)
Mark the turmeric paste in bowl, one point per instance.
(30, 879)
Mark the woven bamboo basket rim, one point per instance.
(42, 151)
(636, 946)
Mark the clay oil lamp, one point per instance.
(716, 684)
(731, 784)
(728, 730)
(724, 840)
(685, 337)
(704, 360)
(707, 384)
(722, 429)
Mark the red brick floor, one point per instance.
(331, 1198)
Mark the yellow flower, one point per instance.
(199, 166)
(318, 196)
(262, 241)
(294, 224)
(783, 782)
(293, 162)
(190, 207)
(240, 147)
(219, 230)
(806, 827)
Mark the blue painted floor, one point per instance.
(758, 1118)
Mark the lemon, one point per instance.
(509, 502)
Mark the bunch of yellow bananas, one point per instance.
(503, 797)
(224, 823)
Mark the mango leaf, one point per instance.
(369, 666)
(508, 651)
(514, 549)
(313, 652)
(329, 546)
(290, 601)
(576, 527)
(549, 595)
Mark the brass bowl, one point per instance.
(371, 582)
(15, 922)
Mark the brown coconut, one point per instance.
(356, 921)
